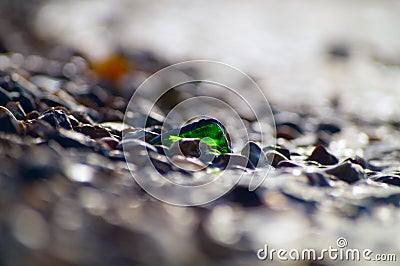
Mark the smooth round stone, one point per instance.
(135, 145)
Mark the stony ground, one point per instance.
(68, 198)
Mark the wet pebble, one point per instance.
(255, 154)
(16, 109)
(322, 156)
(328, 127)
(8, 122)
(187, 163)
(241, 195)
(287, 132)
(287, 163)
(231, 160)
(140, 134)
(347, 172)
(110, 142)
(26, 100)
(95, 132)
(4, 97)
(56, 118)
(39, 128)
(389, 179)
(161, 163)
(32, 115)
(285, 152)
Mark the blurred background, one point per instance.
(300, 52)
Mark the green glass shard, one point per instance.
(209, 131)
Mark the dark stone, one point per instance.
(110, 142)
(82, 117)
(56, 118)
(241, 195)
(39, 128)
(288, 164)
(231, 160)
(364, 163)
(391, 180)
(322, 156)
(32, 115)
(339, 51)
(255, 154)
(281, 150)
(161, 164)
(287, 132)
(94, 132)
(317, 179)
(16, 109)
(161, 149)
(72, 139)
(275, 157)
(347, 172)
(8, 122)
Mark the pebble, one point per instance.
(286, 163)
(39, 128)
(8, 122)
(287, 132)
(231, 160)
(254, 153)
(327, 127)
(56, 118)
(187, 163)
(95, 132)
(140, 134)
(391, 180)
(347, 171)
(275, 157)
(32, 115)
(4, 97)
(110, 142)
(241, 195)
(186, 147)
(322, 156)
(317, 179)
(26, 100)
(281, 150)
